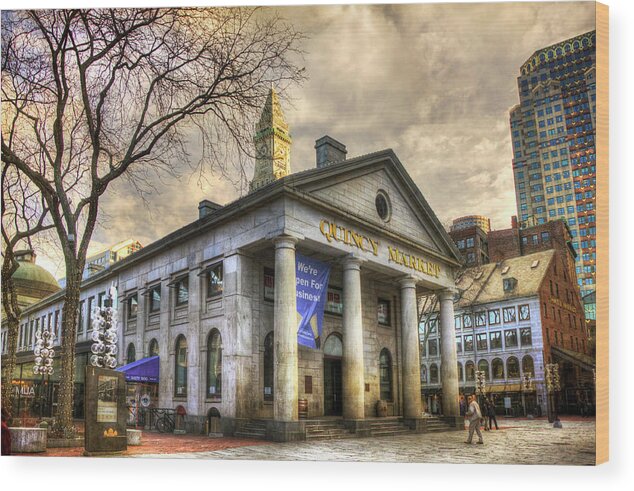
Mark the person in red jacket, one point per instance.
(6, 434)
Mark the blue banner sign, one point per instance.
(312, 285)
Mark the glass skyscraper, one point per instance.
(553, 137)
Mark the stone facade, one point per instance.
(229, 278)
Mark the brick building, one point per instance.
(512, 317)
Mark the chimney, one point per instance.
(205, 207)
(329, 151)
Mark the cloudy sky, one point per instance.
(434, 82)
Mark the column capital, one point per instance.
(407, 282)
(285, 242)
(445, 295)
(352, 262)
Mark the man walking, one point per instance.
(490, 408)
(473, 416)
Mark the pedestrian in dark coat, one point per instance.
(6, 434)
(490, 407)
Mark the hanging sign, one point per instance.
(311, 287)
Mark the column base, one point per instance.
(360, 427)
(285, 431)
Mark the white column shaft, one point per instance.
(352, 363)
(412, 407)
(449, 358)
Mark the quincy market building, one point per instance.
(216, 299)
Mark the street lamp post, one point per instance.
(553, 387)
(44, 354)
(527, 386)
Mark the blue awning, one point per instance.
(144, 370)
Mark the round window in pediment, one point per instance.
(383, 207)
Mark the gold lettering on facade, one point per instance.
(335, 232)
(563, 305)
(413, 262)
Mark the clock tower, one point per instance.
(272, 144)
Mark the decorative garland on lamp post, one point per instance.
(44, 354)
(104, 335)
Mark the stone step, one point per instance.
(248, 434)
(391, 432)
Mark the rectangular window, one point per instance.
(525, 312)
(510, 338)
(182, 291)
(383, 312)
(133, 306)
(481, 319)
(467, 322)
(80, 322)
(214, 280)
(494, 317)
(509, 314)
(495, 339)
(481, 342)
(470, 242)
(433, 347)
(334, 301)
(155, 298)
(101, 299)
(91, 306)
(468, 343)
(525, 337)
(269, 284)
(458, 344)
(456, 322)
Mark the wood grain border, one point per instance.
(603, 229)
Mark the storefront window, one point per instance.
(180, 370)
(214, 365)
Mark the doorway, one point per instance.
(333, 394)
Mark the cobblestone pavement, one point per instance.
(517, 442)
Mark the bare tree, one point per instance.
(94, 95)
(24, 216)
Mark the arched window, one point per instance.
(512, 368)
(423, 374)
(460, 374)
(433, 374)
(180, 367)
(130, 354)
(214, 364)
(154, 348)
(469, 369)
(483, 366)
(333, 346)
(498, 369)
(528, 367)
(268, 367)
(385, 373)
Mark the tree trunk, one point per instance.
(64, 427)
(13, 312)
